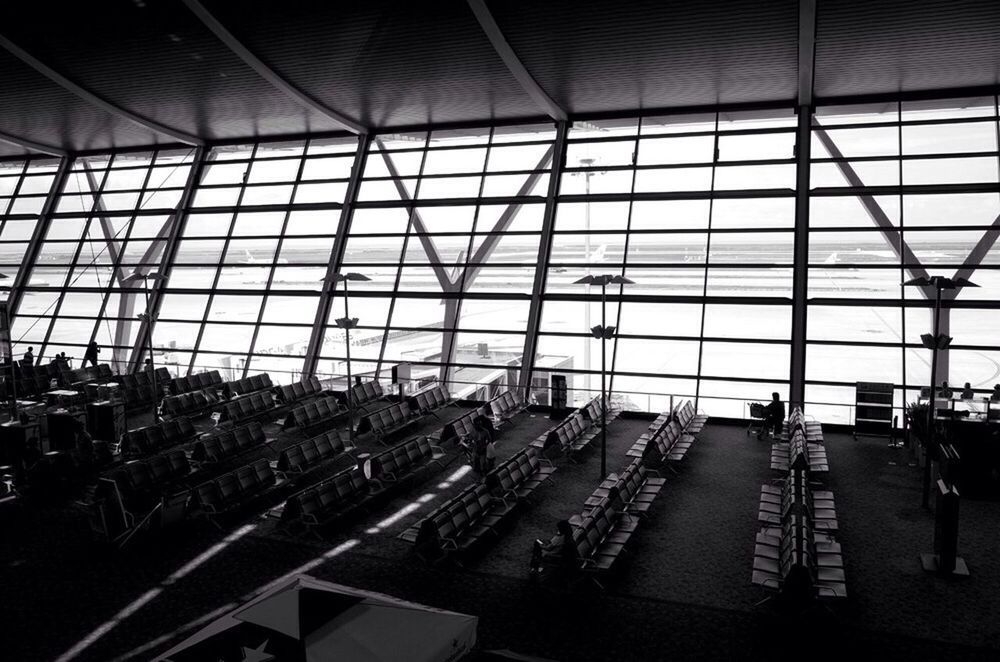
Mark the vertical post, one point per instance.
(152, 360)
(350, 384)
(542, 263)
(336, 256)
(800, 271)
(929, 442)
(604, 379)
(35, 244)
(145, 334)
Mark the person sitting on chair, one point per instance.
(774, 416)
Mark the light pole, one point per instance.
(347, 323)
(605, 333)
(934, 342)
(9, 347)
(147, 317)
(587, 162)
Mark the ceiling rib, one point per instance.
(267, 73)
(31, 145)
(513, 63)
(92, 98)
(807, 50)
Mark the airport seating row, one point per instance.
(799, 454)
(691, 421)
(141, 483)
(460, 427)
(248, 385)
(76, 378)
(256, 406)
(365, 392)
(25, 387)
(195, 382)
(813, 430)
(460, 525)
(572, 435)
(229, 444)
(506, 406)
(313, 414)
(655, 429)
(156, 438)
(143, 379)
(309, 454)
(193, 403)
(382, 423)
(404, 463)
(299, 391)
(794, 494)
(234, 489)
(429, 400)
(517, 478)
(322, 504)
(636, 487)
(592, 410)
(799, 563)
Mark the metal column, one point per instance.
(35, 244)
(541, 270)
(800, 271)
(142, 338)
(336, 257)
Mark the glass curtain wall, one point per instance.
(899, 191)
(245, 281)
(110, 220)
(699, 212)
(446, 227)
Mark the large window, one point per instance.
(900, 191)
(447, 226)
(699, 212)
(447, 229)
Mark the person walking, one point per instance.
(91, 354)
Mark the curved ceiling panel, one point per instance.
(382, 63)
(865, 47)
(601, 56)
(35, 108)
(157, 60)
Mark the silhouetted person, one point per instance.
(91, 355)
(996, 393)
(480, 439)
(64, 360)
(967, 392)
(562, 549)
(29, 356)
(774, 416)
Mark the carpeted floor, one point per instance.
(685, 593)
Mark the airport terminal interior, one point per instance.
(499, 330)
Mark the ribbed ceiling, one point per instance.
(388, 64)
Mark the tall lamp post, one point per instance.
(587, 162)
(347, 323)
(934, 342)
(10, 357)
(147, 317)
(605, 333)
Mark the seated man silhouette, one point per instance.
(774, 416)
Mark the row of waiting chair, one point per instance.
(460, 427)
(254, 407)
(76, 378)
(813, 430)
(322, 411)
(311, 453)
(156, 438)
(429, 400)
(196, 382)
(141, 483)
(475, 515)
(795, 553)
(235, 489)
(229, 444)
(299, 391)
(603, 533)
(248, 385)
(364, 393)
(405, 463)
(506, 406)
(386, 421)
(193, 403)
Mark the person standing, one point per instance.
(91, 354)
(29, 356)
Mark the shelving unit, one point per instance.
(873, 409)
